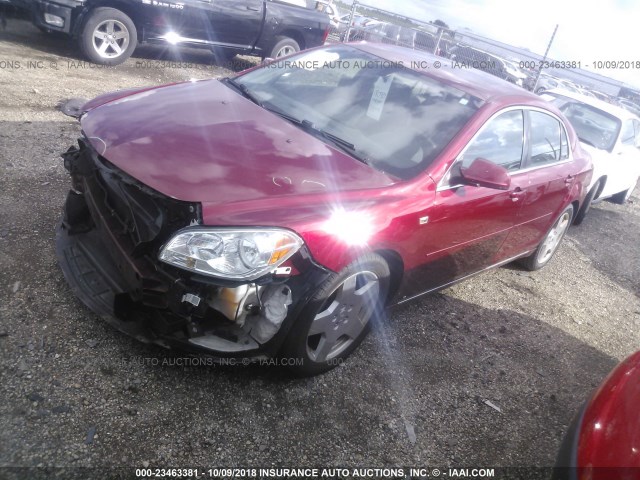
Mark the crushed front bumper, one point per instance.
(107, 244)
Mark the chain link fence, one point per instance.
(516, 65)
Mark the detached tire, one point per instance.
(549, 244)
(338, 317)
(586, 205)
(284, 46)
(108, 37)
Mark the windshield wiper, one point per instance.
(308, 126)
(244, 90)
(337, 140)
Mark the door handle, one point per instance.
(253, 9)
(516, 194)
(569, 179)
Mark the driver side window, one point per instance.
(501, 142)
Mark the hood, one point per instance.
(203, 142)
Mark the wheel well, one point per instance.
(295, 36)
(396, 267)
(124, 7)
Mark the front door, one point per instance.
(467, 224)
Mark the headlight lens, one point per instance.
(242, 254)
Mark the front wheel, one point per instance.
(109, 37)
(338, 317)
(550, 242)
(283, 47)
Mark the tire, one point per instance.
(549, 244)
(223, 55)
(108, 37)
(284, 46)
(338, 317)
(586, 205)
(622, 197)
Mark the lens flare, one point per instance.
(353, 228)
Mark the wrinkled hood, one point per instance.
(204, 142)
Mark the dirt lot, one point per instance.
(535, 345)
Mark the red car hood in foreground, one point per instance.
(610, 428)
(203, 142)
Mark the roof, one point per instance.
(613, 110)
(475, 82)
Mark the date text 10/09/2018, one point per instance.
(321, 473)
(596, 65)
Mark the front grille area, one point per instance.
(131, 209)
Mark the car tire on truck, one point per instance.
(108, 36)
(284, 46)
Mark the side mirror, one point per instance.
(483, 173)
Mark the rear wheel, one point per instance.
(283, 47)
(109, 37)
(586, 205)
(338, 317)
(550, 243)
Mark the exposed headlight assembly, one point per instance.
(233, 254)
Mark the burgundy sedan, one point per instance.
(278, 212)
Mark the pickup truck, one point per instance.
(108, 31)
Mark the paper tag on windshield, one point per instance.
(380, 92)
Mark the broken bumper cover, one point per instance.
(107, 245)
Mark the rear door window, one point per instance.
(546, 139)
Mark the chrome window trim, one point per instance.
(442, 188)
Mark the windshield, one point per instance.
(593, 126)
(390, 117)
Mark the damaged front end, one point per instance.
(109, 243)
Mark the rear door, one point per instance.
(235, 23)
(550, 170)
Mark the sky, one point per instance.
(588, 31)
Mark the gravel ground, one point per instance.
(74, 392)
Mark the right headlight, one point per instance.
(233, 254)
